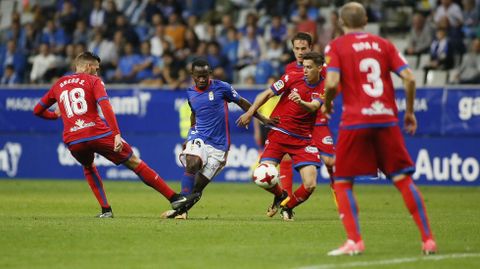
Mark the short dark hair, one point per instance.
(87, 56)
(200, 62)
(303, 36)
(316, 57)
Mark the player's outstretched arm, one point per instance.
(43, 112)
(251, 109)
(409, 121)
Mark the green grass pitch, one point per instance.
(50, 224)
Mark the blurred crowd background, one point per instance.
(151, 42)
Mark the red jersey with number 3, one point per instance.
(77, 97)
(364, 62)
(294, 119)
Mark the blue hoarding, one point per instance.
(445, 149)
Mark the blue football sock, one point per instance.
(187, 183)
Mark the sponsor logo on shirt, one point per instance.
(286, 78)
(81, 125)
(311, 149)
(327, 140)
(377, 108)
(278, 85)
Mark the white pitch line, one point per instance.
(393, 261)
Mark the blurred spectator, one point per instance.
(451, 10)
(222, 28)
(304, 6)
(441, 53)
(230, 51)
(251, 21)
(81, 34)
(121, 24)
(176, 31)
(304, 23)
(31, 41)
(151, 10)
(216, 59)
(173, 72)
(105, 49)
(274, 57)
(110, 17)
(276, 29)
(54, 37)
(191, 44)
(199, 8)
(97, 15)
(42, 63)
(9, 76)
(68, 18)
(469, 71)
(126, 72)
(199, 27)
(144, 68)
(332, 30)
(420, 37)
(470, 18)
(15, 57)
(160, 43)
(251, 49)
(14, 32)
(66, 65)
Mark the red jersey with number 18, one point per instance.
(77, 97)
(364, 62)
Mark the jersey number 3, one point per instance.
(74, 102)
(372, 68)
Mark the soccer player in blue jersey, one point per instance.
(206, 148)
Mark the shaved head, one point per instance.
(353, 15)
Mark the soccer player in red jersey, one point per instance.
(296, 112)
(322, 136)
(86, 133)
(369, 136)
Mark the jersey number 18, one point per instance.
(74, 102)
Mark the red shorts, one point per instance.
(360, 152)
(303, 152)
(322, 137)
(84, 152)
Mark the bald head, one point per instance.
(353, 15)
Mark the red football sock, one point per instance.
(300, 196)
(152, 179)
(348, 209)
(96, 184)
(286, 175)
(276, 190)
(414, 201)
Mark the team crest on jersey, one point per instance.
(211, 96)
(311, 149)
(278, 85)
(327, 140)
(286, 78)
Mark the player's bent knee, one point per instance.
(310, 188)
(132, 162)
(193, 165)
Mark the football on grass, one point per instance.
(265, 175)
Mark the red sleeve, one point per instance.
(396, 59)
(41, 109)
(99, 90)
(282, 84)
(109, 115)
(331, 58)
